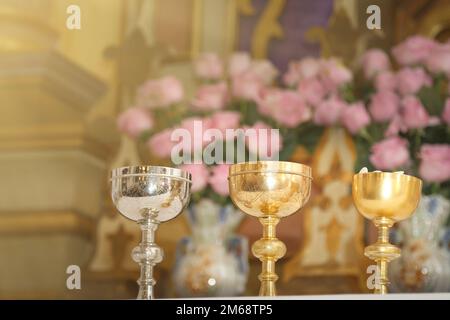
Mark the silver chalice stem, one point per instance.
(147, 254)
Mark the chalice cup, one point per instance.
(269, 190)
(149, 195)
(385, 198)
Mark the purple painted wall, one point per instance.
(297, 17)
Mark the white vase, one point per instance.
(425, 264)
(213, 261)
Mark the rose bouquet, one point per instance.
(225, 99)
(242, 94)
(409, 111)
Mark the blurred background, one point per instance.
(62, 90)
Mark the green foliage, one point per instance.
(363, 152)
(432, 100)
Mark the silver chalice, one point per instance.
(149, 195)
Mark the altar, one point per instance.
(107, 173)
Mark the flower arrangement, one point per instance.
(409, 111)
(240, 94)
(399, 117)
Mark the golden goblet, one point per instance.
(269, 190)
(385, 198)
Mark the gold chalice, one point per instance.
(269, 190)
(385, 198)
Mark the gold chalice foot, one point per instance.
(385, 198)
(269, 190)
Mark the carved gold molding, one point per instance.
(427, 17)
(31, 33)
(53, 137)
(334, 38)
(267, 28)
(333, 229)
(56, 74)
(196, 28)
(235, 9)
(45, 222)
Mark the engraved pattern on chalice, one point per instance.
(385, 198)
(149, 195)
(269, 190)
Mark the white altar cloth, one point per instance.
(390, 296)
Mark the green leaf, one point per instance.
(432, 100)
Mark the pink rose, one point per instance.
(264, 70)
(434, 121)
(200, 175)
(384, 105)
(291, 109)
(435, 162)
(160, 92)
(193, 123)
(238, 63)
(211, 97)
(446, 113)
(247, 86)
(329, 111)
(160, 143)
(303, 69)
(374, 61)
(390, 153)
(413, 50)
(410, 80)
(413, 113)
(386, 81)
(196, 126)
(134, 121)
(312, 90)
(334, 74)
(219, 179)
(225, 120)
(292, 75)
(285, 106)
(268, 101)
(355, 117)
(395, 126)
(265, 142)
(439, 59)
(208, 66)
(309, 67)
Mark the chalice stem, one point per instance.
(383, 282)
(268, 250)
(268, 277)
(147, 254)
(382, 252)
